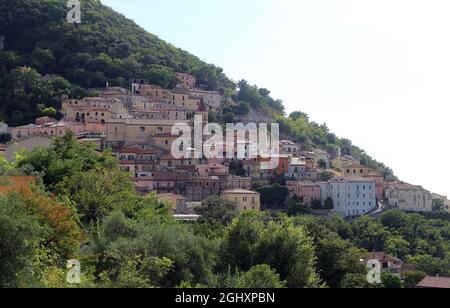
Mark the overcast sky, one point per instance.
(377, 72)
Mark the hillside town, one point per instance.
(137, 126)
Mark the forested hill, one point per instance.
(67, 59)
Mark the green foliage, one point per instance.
(338, 260)
(20, 236)
(328, 204)
(65, 158)
(249, 241)
(215, 209)
(296, 207)
(412, 279)
(273, 196)
(161, 255)
(260, 277)
(390, 281)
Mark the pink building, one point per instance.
(49, 129)
(95, 127)
(212, 168)
(378, 178)
(307, 191)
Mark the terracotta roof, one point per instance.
(384, 257)
(435, 283)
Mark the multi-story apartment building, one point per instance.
(125, 132)
(245, 199)
(351, 196)
(57, 129)
(307, 191)
(408, 197)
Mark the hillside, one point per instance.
(107, 47)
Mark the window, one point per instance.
(142, 129)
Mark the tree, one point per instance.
(295, 207)
(260, 277)
(329, 204)
(160, 255)
(338, 261)
(20, 237)
(412, 279)
(64, 159)
(325, 176)
(289, 250)
(98, 192)
(217, 209)
(322, 164)
(390, 281)
(273, 196)
(397, 246)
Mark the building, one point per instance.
(126, 132)
(246, 199)
(54, 129)
(198, 188)
(27, 144)
(389, 264)
(4, 128)
(297, 168)
(289, 147)
(186, 81)
(434, 283)
(177, 202)
(356, 170)
(322, 156)
(351, 196)
(307, 191)
(378, 178)
(408, 197)
(444, 199)
(212, 99)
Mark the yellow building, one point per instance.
(246, 199)
(355, 170)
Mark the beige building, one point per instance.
(246, 199)
(57, 129)
(408, 197)
(445, 200)
(125, 132)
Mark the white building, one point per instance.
(297, 169)
(289, 147)
(351, 197)
(408, 197)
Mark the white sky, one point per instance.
(377, 72)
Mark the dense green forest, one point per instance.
(69, 59)
(83, 207)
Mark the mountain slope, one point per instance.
(107, 47)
